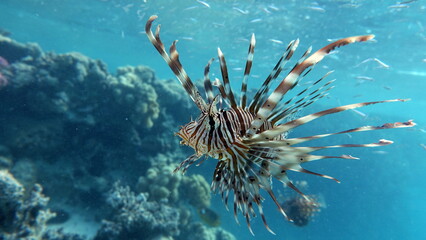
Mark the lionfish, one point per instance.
(250, 141)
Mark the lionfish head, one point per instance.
(184, 132)
(206, 122)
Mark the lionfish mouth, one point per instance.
(250, 139)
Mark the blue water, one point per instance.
(382, 196)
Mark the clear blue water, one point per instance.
(383, 195)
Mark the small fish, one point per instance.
(256, 20)
(423, 146)
(218, 24)
(190, 8)
(407, 2)
(365, 78)
(382, 64)
(241, 11)
(209, 216)
(317, 9)
(273, 7)
(276, 41)
(266, 10)
(412, 73)
(359, 113)
(399, 6)
(205, 4)
(255, 76)
(332, 39)
(350, 5)
(380, 152)
(307, 83)
(187, 38)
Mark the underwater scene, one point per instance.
(255, 124)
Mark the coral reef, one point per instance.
(137, 218)
(21, 217)
(301, 210)
(134, 216)
(162, 184)
(127, 86)
(54, 97)
(196, 191)
(14, 51)
(24, 215)
(67, 122)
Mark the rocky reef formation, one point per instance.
(162, 185)
(24, 214)
(68, 123)
(134, 214)
(21, 217)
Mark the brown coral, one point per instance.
(161, 183)
(132, 87)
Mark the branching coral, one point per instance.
(11, 192)
(137, 218)
(20, 217)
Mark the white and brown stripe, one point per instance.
(225, 79)
(288, 82)
(250, 142)
(207, 83)
(292, 46)
(247, 70)
(280, 129)
(174, 63)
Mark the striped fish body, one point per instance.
(250, 139)
(218, 134)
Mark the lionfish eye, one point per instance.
(211, 121)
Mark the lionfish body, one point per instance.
(250, 139)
